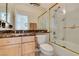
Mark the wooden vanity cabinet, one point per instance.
(17, 46)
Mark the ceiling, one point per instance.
(27, 8)
(43, 6)
(37, 9)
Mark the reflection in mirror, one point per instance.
(5, 15)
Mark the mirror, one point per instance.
(5, 16)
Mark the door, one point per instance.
(11, 50)
(33, 26)
(28, 48)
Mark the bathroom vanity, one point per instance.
(20, 44)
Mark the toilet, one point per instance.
(45, 48)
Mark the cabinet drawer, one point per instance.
(28, 48)
(6, 41)
(28, 38)
(12, 50)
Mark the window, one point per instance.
(21, 22)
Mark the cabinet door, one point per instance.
(27, 48)
(6, 41)
(30, 54)
(28, 38)
(33, 26)
(11, 50)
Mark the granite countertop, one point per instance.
(16, 35)
(7, 34)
